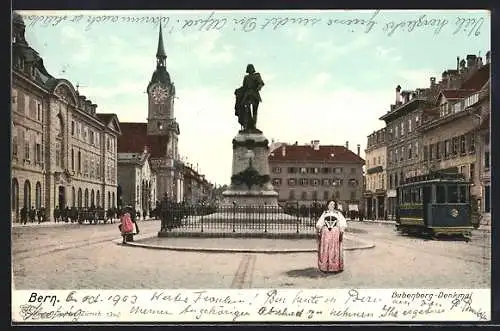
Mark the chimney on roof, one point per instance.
(296, 143)
(359, 149)
(471, 60)
(398, 95)
(283, 150)
(316, 145)
(347, 144)
(458, 63)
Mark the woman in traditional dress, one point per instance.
(330, 226)
(128, 225)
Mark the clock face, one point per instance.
(159, 94)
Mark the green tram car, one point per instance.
(435, 204)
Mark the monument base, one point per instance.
(250, 181)
(250, 198)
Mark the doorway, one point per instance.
(61, 197)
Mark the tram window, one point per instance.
(462, 194)
(452, 193)
(440, 194)
(419, 195)
(414, 195)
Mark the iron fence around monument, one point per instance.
(243, 221)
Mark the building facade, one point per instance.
(137, 182)
(454, 139)
(197, 189)
(375, 194)
(63, 151)
(305, 174)
(483, 155)
(403, 139)
(160, 134)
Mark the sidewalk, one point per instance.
(242, 245)
(482, 227)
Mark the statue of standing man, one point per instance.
(248, 99)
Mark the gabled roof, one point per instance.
(456, 94)
(306, 153)
(478, 79)
(110, 120)
(134, 138)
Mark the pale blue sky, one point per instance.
(326, 82)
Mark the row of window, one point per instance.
(375, 161)
(375, 181)
(437, 194)
(447, 109)
(91, 137)
(338, 182)
(450, 147)
(89, 165)
(87, 198)
(312, 170)
(27, 105)
(404, 126)
(31, 149)
(402, 153)
(314, 195)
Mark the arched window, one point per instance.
(73, 197)
(109, 200)
(79, 198)
(27, 194)
(86, 198)
(114, 205)
(38, 195)
(92, 200)
(15, 197)
(98, 199)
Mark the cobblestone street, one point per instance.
(86, 256)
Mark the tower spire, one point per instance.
(160, 53)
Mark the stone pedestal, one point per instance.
(250, 180)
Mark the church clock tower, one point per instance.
(161, 96)
(163, 126)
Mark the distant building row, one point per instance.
(443, 127)
(310, 173)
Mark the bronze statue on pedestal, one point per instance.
(248, 99)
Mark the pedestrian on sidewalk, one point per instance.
(32, 214)
(330, 229)
(24, 215)
(128, 226)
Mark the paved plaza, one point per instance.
(72, 256)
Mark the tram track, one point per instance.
(35, 252)
(484, 259)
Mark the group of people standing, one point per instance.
(32, 215)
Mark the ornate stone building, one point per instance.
(443, 127)
(63, 151)
(315, 173)
(136, 181)
(161, 131)
(375, 193)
